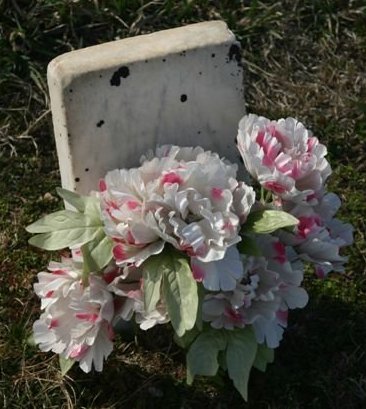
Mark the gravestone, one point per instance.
(113, 102)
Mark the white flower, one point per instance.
(283, 156)
(222, 274)
(63, 278)
(319, 237)
(77, 325)
(123, 200)
(269, 288)
(197, 205)
(130, 300)
(184, 196)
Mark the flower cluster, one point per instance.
(180, 239)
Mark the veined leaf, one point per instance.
(76, 200)
(61, 239)
(64, 229)
(61, 220)
(264, 357)
(152, 277)
(179, 291)
(268, 221)
(240, 354)
(202, 357)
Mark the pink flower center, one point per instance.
(85, 316)
(282, 317)
(132, 204)
(307, 225)
(119, 253)
(59, 272)
(275, 187)
(78, 350)
(198, 273)
(233, 315)
(171, 178)
(102, 185)
(216, 193)
(53, 323)
(280, 251)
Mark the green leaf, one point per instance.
(61, 220)
(100, 249)
(268, 221)
(264, 357)
(249, 247)
(240, 354)
(92, 209)
(65, 365)
(186, 340)
(152, 277)
(76, 200)
(64, 229)
(202, 357)
(61, 239)
(179, 290)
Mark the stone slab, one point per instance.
(113, 102)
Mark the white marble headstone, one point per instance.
(113, 102)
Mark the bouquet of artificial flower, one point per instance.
(181, 240)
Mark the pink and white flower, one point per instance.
(319, 237)
(283, 156)
(269, 288)
(77, 324)
(197, 205)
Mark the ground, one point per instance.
(301, 58)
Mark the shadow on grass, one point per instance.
(321, 364)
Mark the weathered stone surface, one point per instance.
(113, 102)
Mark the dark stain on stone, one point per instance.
(146, 61)
(213, 55)
(100, 76)
(183, 54)
(70, 90)
(183, 98)
(164, 59)
(86, 169)
(200, 73)
(100, 123)
(199, 132)
(122, 72)
(234, 53)
(77, 179)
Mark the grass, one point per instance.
(305, 59)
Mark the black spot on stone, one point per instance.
(183, 98)
(199, 132)
(146, 61)
(213, 55)
(234, 53)
(183, 54)
(70, 90)
(100, 76)
(100, 123)
(77, 179)
(164, 59)
(200, 73)
(122, 72)
(86, 169)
